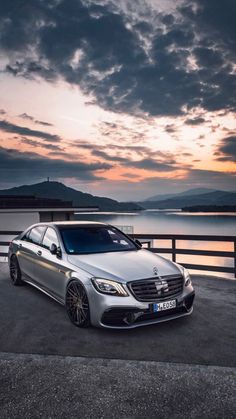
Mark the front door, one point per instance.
(51, 269)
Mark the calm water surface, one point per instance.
(167, 222)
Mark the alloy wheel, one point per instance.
(15, 272)
(77, 304)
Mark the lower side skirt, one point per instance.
(38, 287)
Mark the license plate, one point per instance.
(165, 305)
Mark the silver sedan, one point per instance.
(101, 275)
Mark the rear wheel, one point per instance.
(15, 272)
(77, 305)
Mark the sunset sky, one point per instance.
(125, 99)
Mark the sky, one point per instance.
(125, 99)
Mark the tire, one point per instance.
(15, 272)
(77, 304)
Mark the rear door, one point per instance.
(29, 251)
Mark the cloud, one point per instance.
(138, 62)
(194, 121)
(34, 143)
(46, 124)
(31, 69)
(106, 156)
(131, 176)
(151, 164)
(193, 178)
(146, 163)
(170, 128)
(165, 159)
(17, 129)
(22, 166)
(26, 116)
(227, 149)
(214, 178)
(214, 17)
(2, 112)
(36, 121)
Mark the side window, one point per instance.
(26, 236)
(50, 237)
(35, 235)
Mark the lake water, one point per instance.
(169, 222)
(177, 222)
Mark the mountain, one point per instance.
(80, 199)
(215, 198)
(191, 192)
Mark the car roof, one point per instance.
(59, 224)
(74, 223)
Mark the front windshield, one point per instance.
(95, 239)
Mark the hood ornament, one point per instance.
(155, 270)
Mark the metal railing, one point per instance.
(5, 243)
(174, 250)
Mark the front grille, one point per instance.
(158, 288)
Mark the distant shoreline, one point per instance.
(210, 208)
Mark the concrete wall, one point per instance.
(17, 221)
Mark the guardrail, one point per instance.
(174, 250)
(6, 243)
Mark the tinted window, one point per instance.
(26, 236)
(50, 237)
(88, 239)
(35, 235)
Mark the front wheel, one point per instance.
(77, 304)
(15, 272)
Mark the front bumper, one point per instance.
(127, 312)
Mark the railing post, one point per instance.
(173, 250)
(234, 258)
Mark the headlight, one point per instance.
(106, 286)
(187, 279)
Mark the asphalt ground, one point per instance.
(63, 387)
(31, 322)
(181, 369)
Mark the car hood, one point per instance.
(124, 266)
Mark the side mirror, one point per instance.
(55, 250)
(138, 243)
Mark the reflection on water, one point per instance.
(168, 222)
(207, 214)
(172, 222)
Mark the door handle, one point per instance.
(39, 253)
